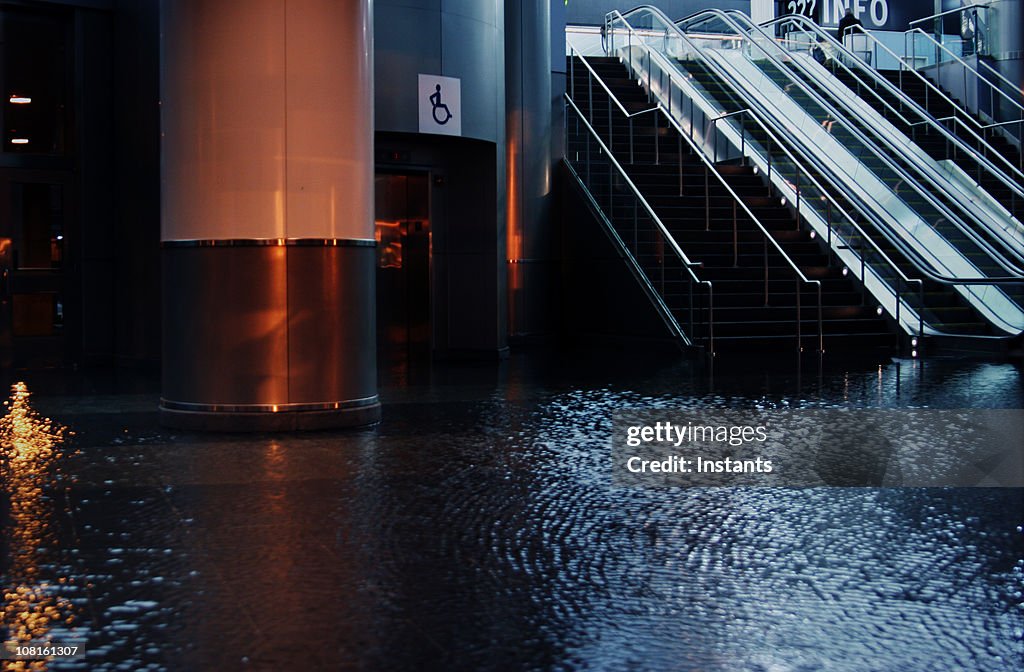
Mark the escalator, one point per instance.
(935, 144)
(898, 205)
(914, 107)
(758, 301)
(943, 308)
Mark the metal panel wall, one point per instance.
(453, 38)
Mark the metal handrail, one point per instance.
(948, 12)
(926, 194)
(927, 82)
(811, 179)
(664, 311)
(946, 49)
(673, 245)
(982, 159)
(964, 63)
(608, 92)
(767, 237)
(912, 255)
(690, 265)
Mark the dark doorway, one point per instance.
(34, 211)
(403, 263)
(38, 187)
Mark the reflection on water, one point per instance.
(478, 528)
(33, 608)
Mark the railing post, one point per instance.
(692, 120)
(670, 96)
(765, 252)
(588, 161)
(611, 132)
(711, 320)
(821, 322)
(572, 73)
(714, 139)
(611, 192)
(799, 320)
(735, 238)
(992, 100)
(920, 318)
(899, 283)
(631, 141)
(798, 200)
(828, 230)
(657, 140)
(649, 68)
(707, 199)
(679, 147)
(629, 50)
(590, 97)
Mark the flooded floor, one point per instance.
(478, 528)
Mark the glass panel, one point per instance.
(34, 74)
(936, 224)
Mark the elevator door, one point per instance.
(403, 262)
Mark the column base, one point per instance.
(196, 417)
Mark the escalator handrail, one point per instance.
(962, 62)
(955, 10)
(924, 266)
(923, 173)
(995, 255)
(912, 255)
(928, 118)
(739, 201)
(796, 162)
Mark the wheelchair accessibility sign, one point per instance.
(440, 105)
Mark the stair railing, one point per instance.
(926, 181)
(666, 249)
(768, 241)
(989, 159)
(856, 249)
(995, 90)
(912, 255)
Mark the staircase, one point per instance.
(944, 307)
(754, 310)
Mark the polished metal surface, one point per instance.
(266, 119)
(271, 242)
(331, 324)
(461, 39)
(531, 240)
(253, 328)
(269, 408)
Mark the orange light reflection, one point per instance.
(33, 609)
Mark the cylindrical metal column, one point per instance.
(532, 258)
(267, 214)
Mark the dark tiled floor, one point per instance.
(477, 527)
